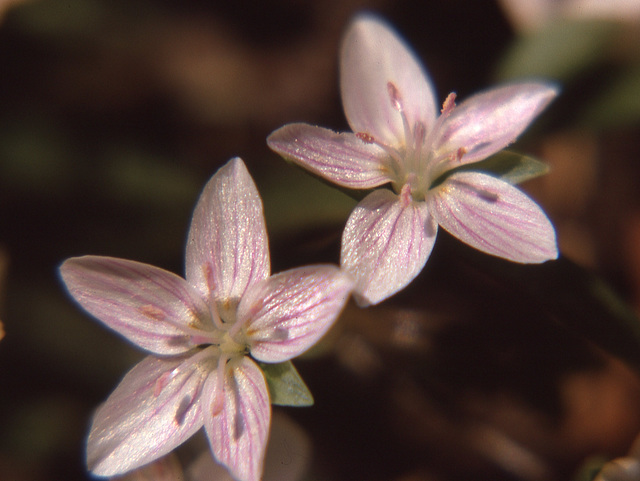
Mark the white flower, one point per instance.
(399, 139)
(200, 332)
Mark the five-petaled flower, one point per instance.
(398, 138)
(199, 333)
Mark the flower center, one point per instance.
(408, 161)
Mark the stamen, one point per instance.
(393, 153)
(394, 95)
(419, 134)
(405, 195)
(207, 273)
(396, 101)
(461, 151)
(218, 393)
(449, 104)
(366, 138)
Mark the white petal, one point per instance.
(385, 244)
(227, 247)
(152, 411)
(489, 121)
(238, 432)
(495, 217)
(373, 55)
(287, 314)
(288, 455)
(153, 308)
(341, 158)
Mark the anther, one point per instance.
(449, 104)
(396, 101)
(405, 195)
(394, 95)
(366, 138)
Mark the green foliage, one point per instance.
(286, 387)
(577, 299)
(590, 468)
(509, 166)
(558, 51)
(619, 104)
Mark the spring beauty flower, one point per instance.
(200, 332)
(398, 139)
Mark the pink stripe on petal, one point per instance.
(494, 217)
(152, 411)
(373, 56)
(341, 158)
(238, 433)
(289, 312)
(489, 121)
(153, 308)
(386, 244)
(227, 246)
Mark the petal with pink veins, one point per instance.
(489, 121)
(153, 308)
(385, 244)
(338, 157)
(238, 428)
(154, 409)
(494, 217)
(227, 246)
(289, 312)
(373, 56)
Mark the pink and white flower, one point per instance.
(399, 139)
(199, 333)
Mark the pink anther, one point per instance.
(449, 104)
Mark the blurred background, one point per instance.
(114, 114)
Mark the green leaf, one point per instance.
(590, 468)
(508, 166)
(296, 199)
(558, 51)
(577, 299)
(286, 387)
(619, 104)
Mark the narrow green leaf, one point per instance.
(577, 299)
(619, 104)
(286, 387)
(297, 198)
(559, 50)
(590, 468)
(508, 166)
(511, 167)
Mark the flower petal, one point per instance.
(385, 244)
(227, 247)
(152, 411)
(494, 217)
(374, 56)
(286, 314)
(238, 432)
(489, 121)
(288, 455)
(341, 158)
(153, 308)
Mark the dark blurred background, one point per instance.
(114, 114)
